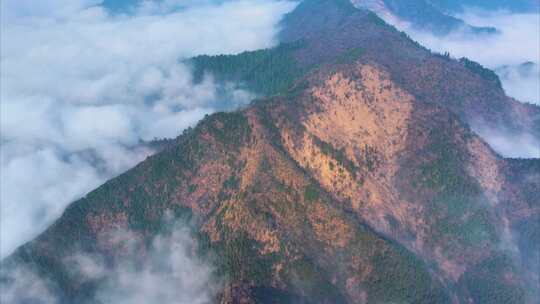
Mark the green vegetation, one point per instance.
(396, 275)
(481, 71)
(240, 259)
(376, 19)
(486, 282)
(445, 173)
(339, 155)
(368, 157)
(399, 277)
(237, 256)
(311, 193)
(231, 183)
(392, 222)
(457, 210)
(231, 129)
(267, 72)
(192, 188)
(310, 279)
(445, 56)
(350, 56)
(271, 295)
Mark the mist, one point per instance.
(23, 285)
(82, 87)
(513, 53)
(510, 144)
(167, 271)
(521, 81)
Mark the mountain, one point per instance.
(421, 14)
(354, 178)
(340, 33)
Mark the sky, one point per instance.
(81, 87)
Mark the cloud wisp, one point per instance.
(81, 87)
(514, 52)
(23, 285)
(509, 144)
(167, 271)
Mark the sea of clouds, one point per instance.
(81, 87)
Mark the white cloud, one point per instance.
(517, 42)
(521, 81)
(22, 285)
(513, 53)
(509, 144)
(168, 271)
(81, 87)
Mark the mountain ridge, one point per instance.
(422, 15)
(472, 91)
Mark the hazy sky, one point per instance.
(82, 87)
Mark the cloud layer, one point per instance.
(81, 87)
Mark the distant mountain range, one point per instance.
(356, 177)
(436, 16)
(421, 14)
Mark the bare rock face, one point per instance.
(359, 183)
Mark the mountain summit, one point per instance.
(355, 178)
